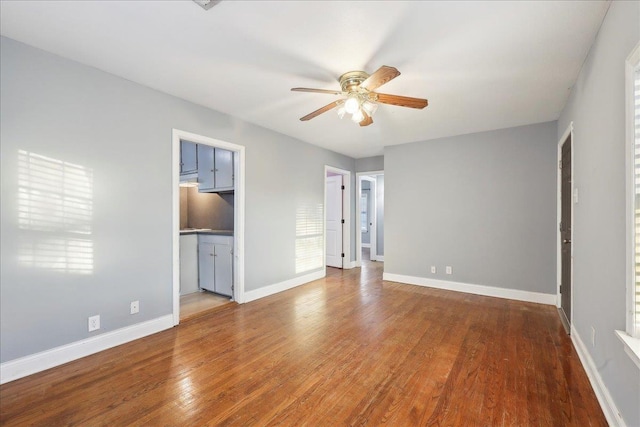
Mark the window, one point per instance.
(309, 229)
(636, 213)
(631, 338)
(633, 192)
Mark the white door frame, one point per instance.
(562, 140)
(238, 213)
(346, 214)
(364, 176)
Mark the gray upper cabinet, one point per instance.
(223, 168)
(215, 169)
(188, 158)
(206, 181)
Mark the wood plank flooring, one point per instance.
(198, 303)
(349, 349)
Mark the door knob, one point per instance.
(566, 241)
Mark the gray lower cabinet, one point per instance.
(215, 263)
(188, 264)
(215, 169)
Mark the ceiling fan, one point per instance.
(361, 101)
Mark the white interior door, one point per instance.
(334, 221)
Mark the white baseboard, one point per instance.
(602, 393)
(27, 365)
(347, 265)
(380, 258)
(282, 286)
(489, 291)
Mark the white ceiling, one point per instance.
(482, 65)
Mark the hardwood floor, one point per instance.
(199, 303)
(349, 349)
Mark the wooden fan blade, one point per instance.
(320, 111)
(383, 75)
(402, 101)
(306, 89)
(367, 119)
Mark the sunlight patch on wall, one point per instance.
(309, 247)
(55, 209)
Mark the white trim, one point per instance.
(28, 365)
(380, 258)
(633, 60)
(346, 215)
(364, 245)
(490, 291)
(631, 346)
(347, 265)
(611, 412)
(568, 132)
(239, 212)
(283, 286)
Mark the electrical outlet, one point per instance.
(593, 336)
(449, 270)
(433, 269)
(94, 323)
(135, 307)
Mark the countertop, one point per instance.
(206, 231)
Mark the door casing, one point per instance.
(238, 212)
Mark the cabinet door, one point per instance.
(188, 264)
(223, 269)
(205, 168)
(206, 266)
(188, 157)
(223, 168)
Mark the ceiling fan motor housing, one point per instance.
(349, 82)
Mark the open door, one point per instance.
(334, 221)
(565, 233)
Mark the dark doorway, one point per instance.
(565, 233)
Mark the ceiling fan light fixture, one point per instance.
(369, 107)
(352, 104)
(358, 116)
(341, 111)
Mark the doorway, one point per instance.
(370, 206)
(337, 215)
(565, 227)
(368, 223)
(237, 253)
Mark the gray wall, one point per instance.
(120, 132)
(206, 210)
(370, 164)
(597, 108)
(483, 203)
(380, 215)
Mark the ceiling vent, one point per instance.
(207, 4)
